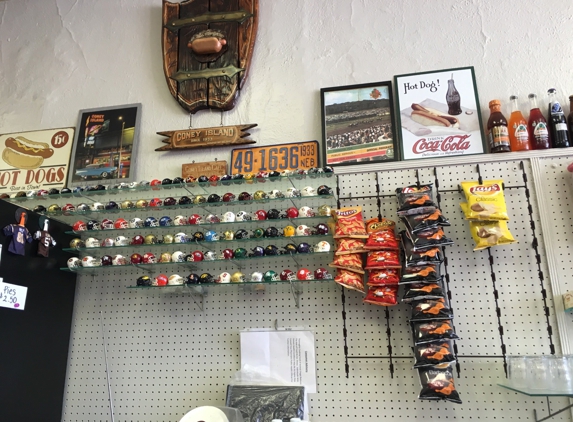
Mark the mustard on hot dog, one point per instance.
(28, 147)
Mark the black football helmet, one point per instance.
(245, 196)
(272, 232)
(184, 200)
(237, 177)
(291, 248)
(271, 250)
(166, 181)
(324, 190)
(169, 201)
(144, 280)
(241, 234)
(198, 236)
(257, 251)
(321, 229)
(192, 279)
(273, 214)
(226, 179)
(53, 191)
(177, 181)
(214, 198)
(206, 278)
(273, 174)
(202, 179)
(65, 190)
(40, 209)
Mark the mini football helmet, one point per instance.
(249, 178)
(245, 196)
(289, 249)
(260, 195)
(150, 239)
(213, 198)
(119, 260)
(93, 225)
(175, 280)
(179, 220)
(136, 223)
(111, 205)
(229, 217)
(155, 202)
(165, 221)
(166, 181)
(199, 199)
(184, 200)
(328, 169)
(164, 257)
(74, 263)
(240, 253)
(179, 256)
(149, 258)
(79, 226)
(168, 238)
(257, 277)
(212, 219)
(177, 180)
(83, 207)
(321, 229)
(144, 280)
(151, 222)
(261, 176)
(108, 242)
(271, 250)
(169, 202)
(287, 173)
(40, 209)
(107, 224)
(97, 206)
(258, 233)
(241, 234)
(141, 203)
(213, 180)
(292, 193)
(229, 197)
(260, 215)
(67, 209)
(324, 210)
(271, 232)
(65, 191)
(160, 280)
(137, 240)
(192, 279)
(306, 212)
(212, 236)
(324, 190)
(303, 230)
(195, 219)
(224, 278)
(202, 179)
(271, 276)
(228, 235)
(322, 246)
(287, 275)
(304, 274)
(198, 236)
(243, 216)
(276, 194)
(303, 248)
(77, 243)
(288, 231)
(227, 254)
(126, 205)
(237, 277)
(209, 256)
(106, 260)
(206, 278)
(257, 251)
(180, 238)
(136, 258)
(90, 261)
(121, 223)
(54, 208)
(273, 214)
(308, 191)
(92, 242)
(191, 180)
(53, 191)
(121, 241)
(292, 212)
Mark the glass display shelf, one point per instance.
(537, 393)
(223, 244)
(196, 265)
(192, 188)
(209, 226)
(245, 283)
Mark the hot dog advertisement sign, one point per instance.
(439, 114)
(35, 160)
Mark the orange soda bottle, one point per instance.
(518, 134)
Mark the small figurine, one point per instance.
(19, 232)
(45, 238)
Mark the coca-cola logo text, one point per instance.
(448, 144)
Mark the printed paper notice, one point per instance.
(12, 296)
(288, 356)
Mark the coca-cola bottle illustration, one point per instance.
(453, 98)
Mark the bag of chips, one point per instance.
(432, 331)
(438, 383)
(415, 199)
(419, 292)
(429, 238)
(349, 223)
(413, 258)
(347, 245)
(430, 354)
(431, 310)
(381, 235)
(485, 201)
(384, 296)
(488, 233)
(350, 280)
(382, 259)
(385, 277)
(351, 262)
(426, 221)
(422, 274)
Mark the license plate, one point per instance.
(302, 155)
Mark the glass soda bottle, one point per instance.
(557, 122)
(453, 98)
(518, 134)
(498, 136)
(537, 126)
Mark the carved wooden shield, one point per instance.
(207, 49)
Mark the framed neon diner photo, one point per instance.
(358, 124)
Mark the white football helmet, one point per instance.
(108, 242)
(179, 220)
(31, 193)
(74, 263)
(136, 223)
(212, 219)
(180, 238)
(177, 256)
(303, 230)
(287, 173)
(121, 241)
(90, 261)
(224, 278)
(175, 280)
(92, 242)
(276, 194)
(243, 216)
(119, 260)
(322, 246)
(257, 277)
(292, 193)
(229, 217)
(209, 256)
(97, 206)
(308, 191)
(306, 212)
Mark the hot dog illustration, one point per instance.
(24, 153)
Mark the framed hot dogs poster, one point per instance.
(106, 140)
(35, 160)
(439, 114)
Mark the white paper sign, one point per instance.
(288, 356)
(12, 296)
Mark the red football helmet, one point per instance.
(136, 258)
(42, 192)
(304, 274)
(260, 215)
(195, 219)
(198, 256)
(229, 197)
(156, 183)
(107, 224)
(287, 275)
(121, 223)
(161, 280)
(155, 202)
(138, 240)
(149, 258)
(79, 226)
(213, 180)
(168, 202)
(228, 254)
(292, 212)
(68, 209)
(261, 176)
(321, 274)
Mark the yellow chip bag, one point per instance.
(488, 233)
(485, 201)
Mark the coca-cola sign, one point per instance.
(447, 144)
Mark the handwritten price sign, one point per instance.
(12, 296)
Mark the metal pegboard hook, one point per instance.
(190, 120)
(480, 180)
(221, 123)
(417, 179)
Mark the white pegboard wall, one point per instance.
(167, 356)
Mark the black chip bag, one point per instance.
(421, 274)
(438, 383)
(432, 331)
(415, 199)
(426, 221)
(413, 258)
(420, 292)
(431, 310)
(430, 354)
(430, 238)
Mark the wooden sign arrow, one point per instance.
(206, 137)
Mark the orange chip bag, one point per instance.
(384, 296)
(381, 234)
(347, 245)
(351, 262)
(387, 276)
(350, 280)
(349, 223)
(383, 259)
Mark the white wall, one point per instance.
(59, 56)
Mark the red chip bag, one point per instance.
(382, 259)
(375, 225)
(351, 262)
(347, 245)
(385, 277)
(382, 240)
(350, 280)
(383, 296)
(349, 223)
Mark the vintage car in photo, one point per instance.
(97, 171)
